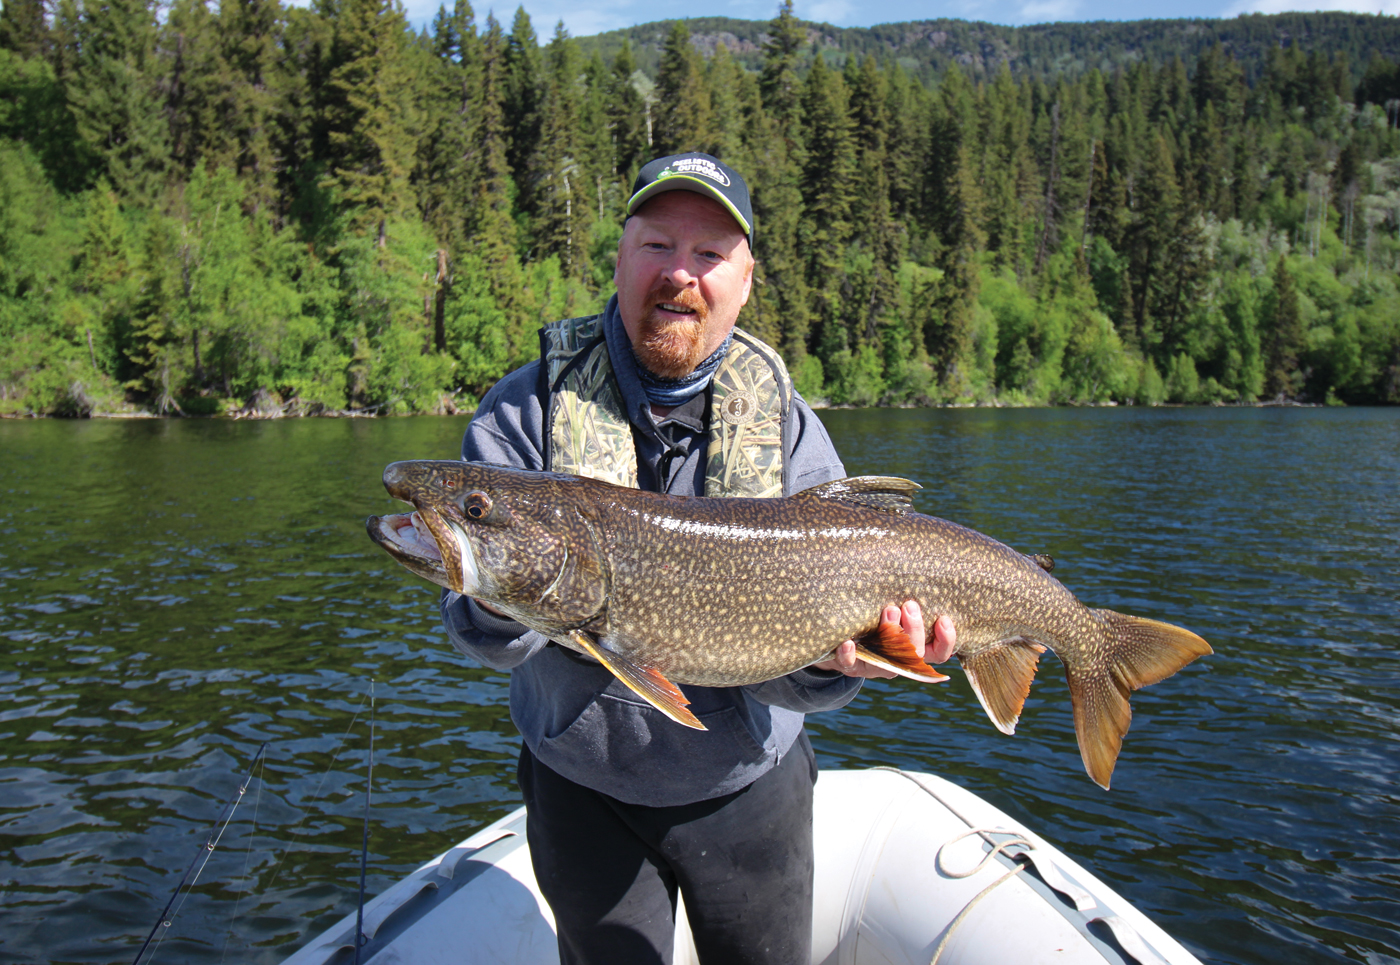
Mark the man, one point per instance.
(661, 392)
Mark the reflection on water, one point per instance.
(172, 594)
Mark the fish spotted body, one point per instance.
(667, 590)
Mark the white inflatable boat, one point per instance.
(939, 875)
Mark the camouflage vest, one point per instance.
(588, 432)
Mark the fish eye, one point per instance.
(477, 505)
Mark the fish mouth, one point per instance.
(429, 545)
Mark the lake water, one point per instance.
(175, 593)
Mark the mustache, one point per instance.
(684, 297)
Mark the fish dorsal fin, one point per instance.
(646, 682)
(1001, 678)
(1043, 560)
(890, 494)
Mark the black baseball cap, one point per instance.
(696, 172)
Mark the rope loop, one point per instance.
(1012, 840)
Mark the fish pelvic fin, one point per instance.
(1139, 652)
(889, 647)
(1001, 678)
(646, 682)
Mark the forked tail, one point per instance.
(1137, 652)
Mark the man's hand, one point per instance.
(911, 620)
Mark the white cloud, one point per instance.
(1047, 11)
(1391, 7)
(836, 12)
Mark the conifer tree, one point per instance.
(524, 98)
(448, 149)
(874, 227)
(683, 116)
(561, 184)
(827, 175)
(22, 28)
(627, 119)
(1004, 169)
(727, 85)
(493, 225)
(113, 92)
(954, 212)
(372, 117)
(241, 129)
(780, 301)
(1283, 336)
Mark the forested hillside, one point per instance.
(285, 210)
(926, 48)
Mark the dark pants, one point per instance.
(610, 870)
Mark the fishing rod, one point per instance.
(360, 939)
(216, 834)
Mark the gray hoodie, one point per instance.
(574, 715)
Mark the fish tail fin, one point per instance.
(889, 647)
(1138, 652)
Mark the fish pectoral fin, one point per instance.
(1001, 678)
(890, 647)
(646, 682)
(889, 494)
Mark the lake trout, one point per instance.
(665, 590)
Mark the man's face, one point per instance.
(683, 272)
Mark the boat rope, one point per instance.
(216, 834)
(360, 939)
(1013, 841)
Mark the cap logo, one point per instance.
(692, 166)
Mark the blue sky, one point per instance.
(594, 16)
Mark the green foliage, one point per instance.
(273, 209)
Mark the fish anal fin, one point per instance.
(1139, 652)
(890, 494)
(889, 647)
(1001, 678)
(646, 682)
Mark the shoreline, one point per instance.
(819, 405)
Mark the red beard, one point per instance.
(672, 348)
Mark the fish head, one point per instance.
(519, 540)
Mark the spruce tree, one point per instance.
(954, 205)
(727, 84)
(113, 92)
(561, 186)
(1283, 336)
(372, 117)
(683, 116)
(493, 231)
(241, 132)
(874, 227)
(22, 28)
(447, 152)
(780, 301)
(825, 225)
(524, 98)
(627, 119)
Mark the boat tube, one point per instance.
(910, 870)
